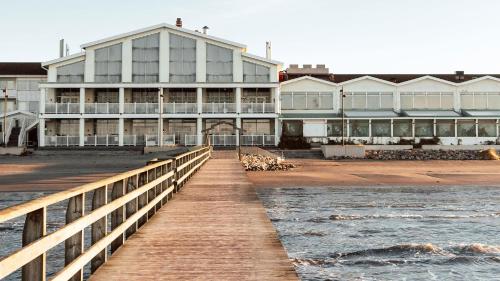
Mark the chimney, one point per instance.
(205, 29)
(268, 50)
(459, 75)
(61, 48)
(178, 22)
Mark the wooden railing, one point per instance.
(128, 199)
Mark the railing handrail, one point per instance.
(160, 178)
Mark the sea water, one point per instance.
(389, 233)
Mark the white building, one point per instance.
(19, 101)
(379, 109)
(160, 85)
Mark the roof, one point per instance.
(307, 115)
(61, 59)
(371, 114)
(393, 78)
(22, 68)
(158, 26)
(431, 113)
(481, 113)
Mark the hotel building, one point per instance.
(160, 85)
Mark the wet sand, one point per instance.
(310, 173)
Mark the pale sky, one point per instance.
(349, 36)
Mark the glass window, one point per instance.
(326, 100)
(487, 128)
(373, 101)
(145, 59)
(358, 128)
(299, 100)
(347, 101)
(334, 128)
(381, 128)
(106, 127)
(424, 128)
(406, 101)
(466, 128)
(447, 101)
(445, 128)
(433, 101)
(71, 73)
(108, 64)
(182, 65)
(312, 100)
(494, 101)
(286, 101)
(386, 101)
(480, 101)
(219, 64)
(359, 101)
(181, 96)
(402, 128)
(292, 128)
(253, 72)
(419, 101)
(467, 101)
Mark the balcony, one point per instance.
(257, 107)
(257, 140)
(180, 108)
(62, 140)
(101, 140)
(133, 140)
(223, 140)
(102, 108)
(62, 108)
(141, 108)
(214, 108)
(152, 140)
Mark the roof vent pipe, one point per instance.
(178, 22)
(205, 29)
(268, 50)
(61, 48)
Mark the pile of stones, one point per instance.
(420, 154)
(254, 162)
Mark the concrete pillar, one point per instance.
(201, 61)
(277, 131)
(160, 117)
(238, 124)
(41, 132)
(43, 96)
(276, 98)
(238, 100)
(199, 100)
(237, 67)
(82, 101)
(457, 102)
(82, 132)
(127, 61)
(121, 126)
(164, 56)
(121, 100)
(89, 65)
(199, 135)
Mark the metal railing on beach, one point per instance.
(128, 200)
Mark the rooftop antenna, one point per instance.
(61, 48)
(67, 50)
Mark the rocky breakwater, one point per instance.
(255, 162)
(420, 154)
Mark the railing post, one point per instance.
(74, 245)
(117, 216)
(99, 228)
(35, 227)
(132, 205)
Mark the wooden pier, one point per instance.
(214, 229)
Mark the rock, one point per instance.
(489, 154)
(254, 162)
(420, 154)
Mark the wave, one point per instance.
(339, 217)
(476, 248)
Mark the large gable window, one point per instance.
(253, 72)
(219, 64)
(108, 64)
(426, 100)
(368, 101)
(145, 59)
(182, 59)
(71, 73)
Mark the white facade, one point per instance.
(380, 112)
(159, 85)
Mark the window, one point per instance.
(145, 96)
(487, 128)
(145, 59)
(368, 101)
(68, 127)
(478, 100)
(381, 128)
(256, 127)
(105, 96)
(466, 128)
(334, 128)
(426, 100)
(256, 95)
(181, 95)
(358, 128)
(312, 100)
(402, 128)
(106, 127)
(424, 128)
(326, 100)
(359, 101)
(144, 127)
(299, 101)
(445, 128)
(219, 64)
(7, 84)
(253, 72)
(286, 101)
(220, 96)
(71, 73)
(292, 128)
(182, 59)
(108, 64)
(307, 100)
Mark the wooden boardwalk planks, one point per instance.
(214, 229)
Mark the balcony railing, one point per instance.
(62, 140)
(102, 108)
(133, 140)
(141, 108)
(180, 108)
(62, 108)
(257, 140)
(152, 140)
(101, 140)
(257, 107)
(223, 140)
(219, 108)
